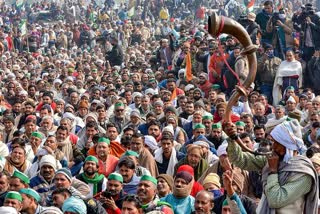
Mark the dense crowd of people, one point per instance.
(120, 108)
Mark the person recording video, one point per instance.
(308, 24)
(282, 29)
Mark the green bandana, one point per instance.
(290, 88)
(216, 126)
(149, 178)
(14, 195)
(116, 177)
(38, 135)
(104, 140)
(198, 126)
(225, 203)
(216, 86)
(31, 192)
(131, 153)
(23, 177)
(95, 180)
(207, 117)
(91, 158)
(119, 104)
(240, 123)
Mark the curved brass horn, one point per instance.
(220, 24)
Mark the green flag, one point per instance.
(23, 27)
(19, 4)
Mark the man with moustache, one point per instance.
(194, 159)
(165, 185)
(290, 182)
(203, 203)
(216, 135)
(17, 160)
(127, 168)
(97, 182)
(63, 179)
(13, 199)
(147, 193)
(61, 194)
(107, 162)
(30, 201)
(42, 181)
(112, 198)
(18, 181)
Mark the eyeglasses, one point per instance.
(119, 110)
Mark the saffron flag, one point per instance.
(188, 67)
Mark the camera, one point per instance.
(107, 194)
(275, 18)
(307, 11)
(243, 20)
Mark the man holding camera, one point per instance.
(308, 23)
(113, 196)
(262, 20)
(281, 28)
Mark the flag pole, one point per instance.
(27, 34)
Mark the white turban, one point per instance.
(136, 94)
(168, 128)
(51, 210)
(201, 143)
(68, 115)
(222, 149)
(182, 71)
(8, 210)
(289, 135)
(291, 99)
(57, 81)
(188, 87)
(149, 91)
(151, 142)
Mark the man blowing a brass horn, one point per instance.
(290, 181)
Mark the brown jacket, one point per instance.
(147, 161)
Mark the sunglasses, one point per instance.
(119, 110)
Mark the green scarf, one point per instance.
(95, 180)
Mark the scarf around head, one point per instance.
(297, 166)
(95, 180)
(183, 192)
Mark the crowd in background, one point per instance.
(113, 107)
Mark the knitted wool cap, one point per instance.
(48, 160)
(212, 178)
(66, 172)
(168, 179)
